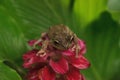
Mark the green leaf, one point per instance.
(102, 38)
(12, 42)
(114, 4)
(89, 10)
(6, 73)
(114, 9)
(38, 16)
(23, 20)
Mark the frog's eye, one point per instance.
(56, 42)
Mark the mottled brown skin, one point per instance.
(61, 38)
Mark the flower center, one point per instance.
(56, 57)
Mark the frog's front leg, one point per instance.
(77, 47)
(42, 51)
(37, 42)
(77, 50)
(43, 35)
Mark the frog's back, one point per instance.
(58, 31)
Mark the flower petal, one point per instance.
(32, 75)
(82, 77)
(31, 42)
(31, 58)
(79, 62)
(68, 52)
(60, 66)
(46, 74)
(74, 74)
(60, 77)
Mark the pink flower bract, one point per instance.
(56, 64)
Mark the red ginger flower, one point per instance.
(56, 64)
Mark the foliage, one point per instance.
(95, 21)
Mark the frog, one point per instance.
(61, 37)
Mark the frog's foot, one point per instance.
(77, 50)
(41, 53)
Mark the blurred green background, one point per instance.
(97, 22)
